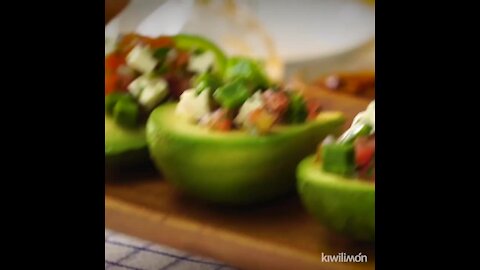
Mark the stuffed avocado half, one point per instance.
(233, 167)
(142, 73)
(237, 138)
(337, 185)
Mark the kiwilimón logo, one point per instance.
(343, 257)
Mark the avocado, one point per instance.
(233, 167)
(127, 147)
(124, 147)
(345, 205)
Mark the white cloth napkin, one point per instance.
(126, 252)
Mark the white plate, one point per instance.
(308, 29)
(301, 30)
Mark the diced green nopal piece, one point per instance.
(248, 69)
(232, 95)
(125, 113)
(112, 99)
(161, 69)
(161, 53)
(297, 109)
(207, 81)
(338, 158)
(110, 102)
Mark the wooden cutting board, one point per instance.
(277, 235)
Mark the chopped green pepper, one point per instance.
(206, 80)
(248, 69)
(233, 94)
(297, 109)
(126, 112)
(338, 158)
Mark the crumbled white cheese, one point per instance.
(193, 107)
(136, 87)
(153, 93)
(141, 59)
(252, 103)
(201, 63)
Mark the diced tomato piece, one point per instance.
(124, 81)
(261, 120)
(223, 125)
(113, 61)
(367, 172)
(177, 83)
(161, 42)
(111, 82)
(254, 115)
(129, 41)
(364, 150)
(276, 102)
(181, 59)
(220, 121)
(112, 79)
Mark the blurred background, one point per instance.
(304, 38)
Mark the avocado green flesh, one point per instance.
(124, 147)
(345, 205)
(231, 167)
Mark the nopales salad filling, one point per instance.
(353, 153)
(143, 72)
(213, 91)
(243, 99)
